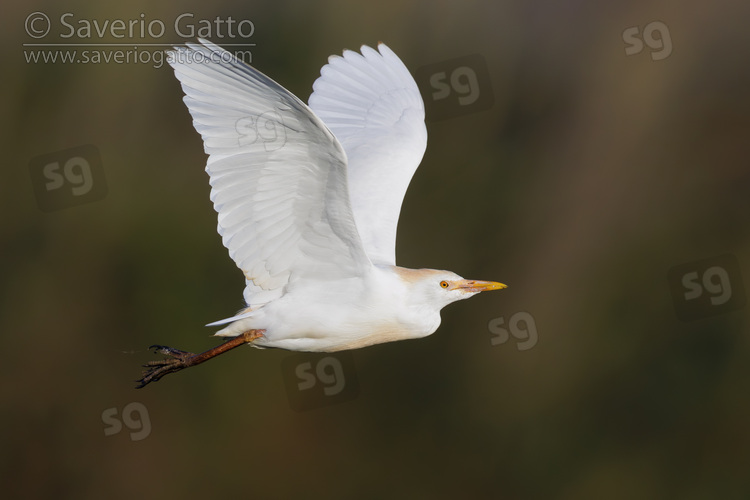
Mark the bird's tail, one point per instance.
(242, 314)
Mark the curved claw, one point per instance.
(169, 351)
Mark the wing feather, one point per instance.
(372, 105)
(279, 179)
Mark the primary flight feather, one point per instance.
(308, 200)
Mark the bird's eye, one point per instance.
(444, 284)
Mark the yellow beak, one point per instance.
(478, 286)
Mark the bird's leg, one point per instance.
(179, 360)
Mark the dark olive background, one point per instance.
(592, 175)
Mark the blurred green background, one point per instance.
(592, 175)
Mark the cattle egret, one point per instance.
(308, 201)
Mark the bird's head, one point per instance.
(444, 287)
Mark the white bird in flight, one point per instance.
(308, 201)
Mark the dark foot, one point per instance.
(176, 361)
(180, 359)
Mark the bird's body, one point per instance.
(374, 308)
(308, 200)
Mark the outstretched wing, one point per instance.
(278, 176)
(373, 106)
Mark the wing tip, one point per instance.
(203, 46)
